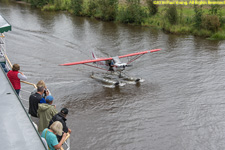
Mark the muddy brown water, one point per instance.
(181, 104)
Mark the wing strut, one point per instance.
(135, 58)
(95, 67)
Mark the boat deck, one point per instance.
(16, 128)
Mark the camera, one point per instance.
(45, 92)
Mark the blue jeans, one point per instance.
(18, 91)
(4, 67)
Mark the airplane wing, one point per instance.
(86, 61)
(138, 54)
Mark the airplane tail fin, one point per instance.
(94, 55)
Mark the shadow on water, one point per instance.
(203, 45)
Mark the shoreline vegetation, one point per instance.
(202, 18)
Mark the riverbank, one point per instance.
(204, 21)
(175, 105)
(189, 21)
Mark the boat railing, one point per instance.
(8, 62)
(25, 93)
(3, 49)
(66, 145)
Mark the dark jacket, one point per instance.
(62, 119)
(34, 99)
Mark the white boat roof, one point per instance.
(4, 25)
(16, 128)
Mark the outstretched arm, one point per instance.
(58, 146)
(21, 76)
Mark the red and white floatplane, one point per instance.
(114, 67)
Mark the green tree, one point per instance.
(171, 14)
(133, 13)
(107, 9)
(153, 8)
(210, 22)
(92, 8)
(215, 10)
(198, 16)
(39, 3)
(77, 7)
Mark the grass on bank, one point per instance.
(132, 12)
(218, 36)
(185, 23)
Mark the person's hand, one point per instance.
(47, 92)
(64, 135)
(21, 73)
(54, 106)
(69, 130)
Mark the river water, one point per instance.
(181, 104)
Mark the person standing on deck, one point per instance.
(61, 116)
(50, 135)
(42, 83)
(3, 60)
(45, 113)
(34, 99)
(15, 76)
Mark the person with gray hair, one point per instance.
(50, 135)
(39, 84)
(34, 99)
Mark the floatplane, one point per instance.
(115, 68)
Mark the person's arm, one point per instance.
(65, 128)
(54, 111)
(21, 76)
(58, 146)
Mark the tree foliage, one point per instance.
(107, 9)
(198, 16)
(91, 8)
(133, 13)
(153, 8)
(39, 3)
(215, 9)
(76, 6)
(171, 14)
(210, 22)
